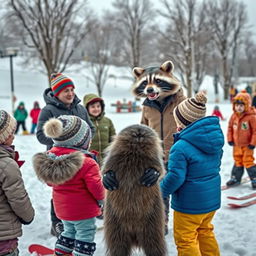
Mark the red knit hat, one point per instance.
(59, 82)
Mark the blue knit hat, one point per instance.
(70, 131)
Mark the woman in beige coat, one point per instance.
(16, 208)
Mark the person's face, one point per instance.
(95, 109)
(9, 141)
(239, 108)
(67, 95)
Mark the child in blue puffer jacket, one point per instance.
(193, 177)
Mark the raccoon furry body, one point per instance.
(134, 214)
(163, 93)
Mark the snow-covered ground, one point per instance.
(235, 229)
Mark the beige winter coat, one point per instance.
(162, 122)
(14, 201)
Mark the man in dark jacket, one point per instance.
(60, 99)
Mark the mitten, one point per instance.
(100, 203)
(109, 180)
(150, 177)
(251, 146)
(25, 222)
(231, 143)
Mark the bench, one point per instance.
(128, 106)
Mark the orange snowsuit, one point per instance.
(242, 131)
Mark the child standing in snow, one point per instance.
(242, 136)
(217, 112)
(21, 115)
(16, 208)
(193, 177)
(75, 177)
(104, 127)
(34, 114)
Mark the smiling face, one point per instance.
(155, 82)
(67, 95)
(95, 109)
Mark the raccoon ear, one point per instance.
(167, 66)
(137, 72)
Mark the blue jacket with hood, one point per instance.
(193, 176)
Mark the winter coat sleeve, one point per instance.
(112, 131)
(143, 118)
(177, 170)
(253, 129)
(230, 130)
(16, 194)
(43, 117)
(93, 181)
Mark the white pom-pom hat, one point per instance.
(70, 131)
(190, 110)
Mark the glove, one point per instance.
(231, 143)
(109, 180)
(100, 203)
(251, 146)
(25, 222)
(150, 177)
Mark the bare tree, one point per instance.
(133, 17)
(99, 52)
(53, 27)
(250, 54)
(228, 18)
(187, 38)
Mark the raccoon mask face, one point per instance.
(155, 82)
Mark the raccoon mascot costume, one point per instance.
(134, 214)
(163, 93)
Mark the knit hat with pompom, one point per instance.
(68, 131)
(7, 126)
(190, 110)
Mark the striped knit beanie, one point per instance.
(68, 131)
(7, 126)
(190, 110)
(59, 82)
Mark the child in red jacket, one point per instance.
(77, 187)
(217, 112)
(34, 114)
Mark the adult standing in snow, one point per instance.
(60, 99)
(193, 177)
(16, 208)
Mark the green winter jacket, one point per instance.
(20, 113)
(104, 127)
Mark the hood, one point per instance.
(204, 134)
(245, 98)
(91, 98)
(49, 98)
(56, 170)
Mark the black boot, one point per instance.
(252, 174)
(236, 176)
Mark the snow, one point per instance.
(234, 229)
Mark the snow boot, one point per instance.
(84, 248)
(64, 246)
(252, 174)
(236, 176)
(57, 228)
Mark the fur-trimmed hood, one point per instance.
(56, 170)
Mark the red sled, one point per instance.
(40, 250)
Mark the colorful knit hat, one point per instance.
(7, 126)
(59, 82)
(70, 131)
(190, 110)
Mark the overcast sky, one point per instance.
(99, 5)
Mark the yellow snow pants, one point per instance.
(193, 234)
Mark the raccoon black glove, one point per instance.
(251, 146)
(150, 177)
(231, 143)
(109, 180)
